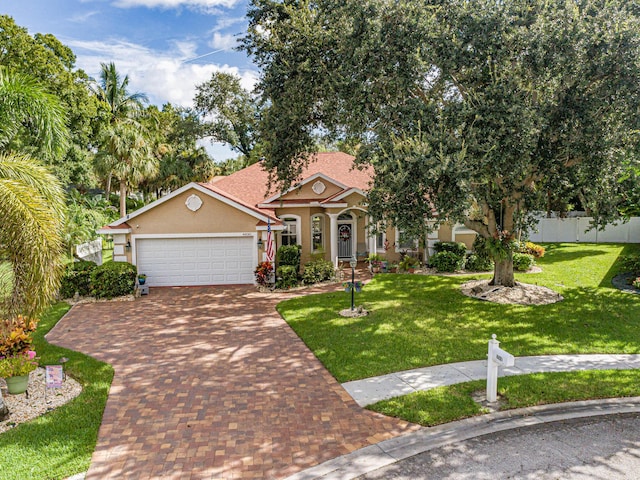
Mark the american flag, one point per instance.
(270, 251)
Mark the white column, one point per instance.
(333, 232)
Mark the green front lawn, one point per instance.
(418, 321)
(60, 443)
(445, 404)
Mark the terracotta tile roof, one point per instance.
(264, 211)
(122, 226)
(250, 184)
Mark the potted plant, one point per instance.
(142, 278)
(15, 370)
(408, 264)
(375, 262)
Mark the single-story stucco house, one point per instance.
(215, 233)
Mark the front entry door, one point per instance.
(345, 240)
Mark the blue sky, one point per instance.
(167, 47)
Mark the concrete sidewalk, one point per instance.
(371, 390)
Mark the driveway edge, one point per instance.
(387, 452)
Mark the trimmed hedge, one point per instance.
(457, 248)
(289, 255)
(77, 278)
(113, 279)
(447, 261)
(317, 271)
(287, 277)
(522, 261)
(477, 263)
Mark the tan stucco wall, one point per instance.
(306, 192)
(173, 217)
(466, 238)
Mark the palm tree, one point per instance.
(130, 156)
(31, 199)
(119, 107)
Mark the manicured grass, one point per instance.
(445, 404)
(418, 320)
(60, 443)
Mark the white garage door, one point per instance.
(196, 261)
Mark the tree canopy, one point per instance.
(469, 111)
(230, 112)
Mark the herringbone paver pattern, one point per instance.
(211, 383)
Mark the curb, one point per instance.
(387, 452)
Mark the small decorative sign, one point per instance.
(54, 376)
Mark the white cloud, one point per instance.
(224, 41)
(83, 17)
(167, 4)
(163, 76)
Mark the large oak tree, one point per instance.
(469, 110)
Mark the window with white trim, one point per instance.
(289, 235)
(404, 242)
(317, 232)
(381, 238)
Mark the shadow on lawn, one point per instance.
(419, 321)
(616, 268)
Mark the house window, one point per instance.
(289, 234)
(317, 232)
(404, 242)
(381, 238)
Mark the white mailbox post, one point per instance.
(496, 358)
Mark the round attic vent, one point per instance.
(193, 203)
(318, 187)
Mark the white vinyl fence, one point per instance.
(91, 251)
(574, 229)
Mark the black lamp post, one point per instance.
(353, 262)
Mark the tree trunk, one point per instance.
(108, 189)
(503, 272)
(4, 410)
(123, 198)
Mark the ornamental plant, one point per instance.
(263, 273)
(15, 335)
(636, 283)
(18, 365)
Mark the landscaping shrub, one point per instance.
(113, 279)
(477, 263)
(630, 263)
(523, 261)
(77, 278)
(481, 247)
(457, 248)
(289, 255)
(534, 249)
(317, 271)
(408, 263)
(287, 277)
(447, 261)
(263, 273)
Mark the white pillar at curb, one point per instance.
(333, 229)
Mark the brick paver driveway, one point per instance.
(211, 383)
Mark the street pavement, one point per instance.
(596, 448)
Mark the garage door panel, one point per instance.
(196, 261)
